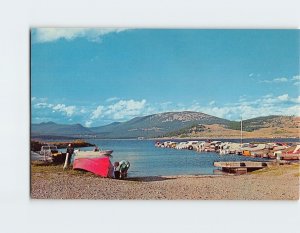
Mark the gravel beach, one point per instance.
(276, 183)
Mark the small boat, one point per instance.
(48, 153)
(92, 154)
(97, 162)
(34, 156)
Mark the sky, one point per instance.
(95, 76)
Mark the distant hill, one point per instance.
(264, 122)
(268, 126)
(171, 124)
(53, 129)
(156, 125)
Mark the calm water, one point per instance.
(148, 160)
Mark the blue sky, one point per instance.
(98, 76)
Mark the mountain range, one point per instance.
(173, 124)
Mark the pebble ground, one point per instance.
(273, 184)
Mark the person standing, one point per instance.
(69, 153)
(116, 170)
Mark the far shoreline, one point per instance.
(163, 139)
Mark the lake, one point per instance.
(148, 160)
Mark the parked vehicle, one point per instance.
(49, 150)
(51, 153)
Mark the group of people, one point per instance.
(120, 168)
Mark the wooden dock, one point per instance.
(241, 167)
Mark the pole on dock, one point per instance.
(241, 130)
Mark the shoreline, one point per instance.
(277, 183)
(235, 138)
(163, 138)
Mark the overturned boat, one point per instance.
(97, 162)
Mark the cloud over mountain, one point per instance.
(42, 35)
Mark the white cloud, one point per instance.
(121, 110)
(68, 110)
(297, 84)
(264, 81)
(42, 35)
(222, 112)
(284, 97)
(264, 106)
(267, 96)
(275, 80)
(270, 100)
(38, 99)
(88, 123)
(125, 108)
(296, 78)
(280, 80)
(242, 98)
(41, 105)
(250, 75)
(96, 113)
(250, 111)
(112, 99)
(293, 110)
(296, 100)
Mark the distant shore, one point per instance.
(35, 145)
(276, 183)
(222, 138)
(165, 138)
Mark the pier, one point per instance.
(241, 167)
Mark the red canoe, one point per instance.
(100, 166)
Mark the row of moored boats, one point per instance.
(285, 151)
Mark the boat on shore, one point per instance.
(48, 154)
(97, 162)
(291, 154)
(92, 154)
